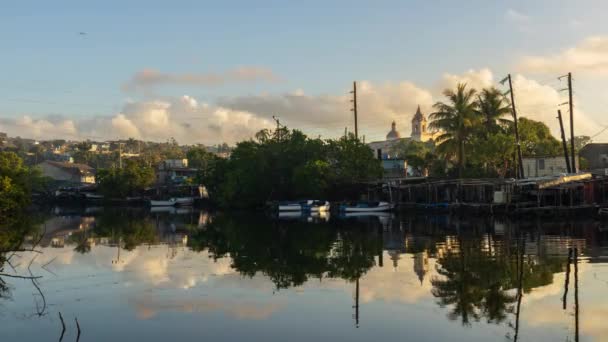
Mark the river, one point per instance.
(189, 275)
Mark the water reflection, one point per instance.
(491, 276)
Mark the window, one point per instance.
(541, 164)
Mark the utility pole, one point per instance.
(119, 155)
(519, 159)
(354, 109)
(571, 122)
(571, 107)
(564, 144)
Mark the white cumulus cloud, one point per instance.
(590, 57)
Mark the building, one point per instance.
(596, 156)
(545, 166)
(394, 166)
(420, 127)
(174, 171)
(420, 132)
(67, 172)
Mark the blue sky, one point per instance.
(318, 47)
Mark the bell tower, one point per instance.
(419, 127)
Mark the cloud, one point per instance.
(590, 57)
(477, 79)
(182, 118)
(378, 105)
(519, 20)
(516, 16)
(150, 78)
(28, 127)
(232, 119)
(540, 102)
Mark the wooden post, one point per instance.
(571, 104)
(564, 144)
(354, 100)
(519, 159)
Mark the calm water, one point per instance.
(131, 275)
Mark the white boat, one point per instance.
(308, 206)
(360, 207)
(166, 203)
(317, 206)
(290, 206)
(184, 201)
(91, 196)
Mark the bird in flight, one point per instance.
(82, 33)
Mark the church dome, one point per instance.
(393, 134)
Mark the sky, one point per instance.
(211, 72)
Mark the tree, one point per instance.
(456, 120)
(198, 157)
(580, 141)
(420, 156)
(493, 108)
(536, 139)
(284, 164)
(119, 183)
(17, 182)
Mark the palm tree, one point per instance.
(456, 120)
(492, 109)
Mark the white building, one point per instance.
(420, 132)
(68, 172)
(545, 166)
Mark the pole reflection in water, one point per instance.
(169, 272)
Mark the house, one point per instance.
(67, 172)
(174, 171)
(596, 156)
(394, 168)
(545, 166)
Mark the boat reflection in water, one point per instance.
(159, 274)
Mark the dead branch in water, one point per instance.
(78, 327)
(62, 327)
(19, 277)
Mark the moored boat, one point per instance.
(185, 201)
(315, 206)
(163, 203)
(366, 207)
(92, 196)
(290, 206)
(307, 206)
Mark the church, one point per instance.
(420, 132)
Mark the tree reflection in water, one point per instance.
(478, 276)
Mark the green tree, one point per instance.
(419, 155)
(536, 139)
(17, 182)
(456, 120)
(286, 164)
(131, 179)
(580, 141)
(493, 108)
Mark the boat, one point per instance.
(290, 206)
(91, 196)
(366, 207)
(163, 203)
(307, 206)
(315, 206)
(184, 201)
